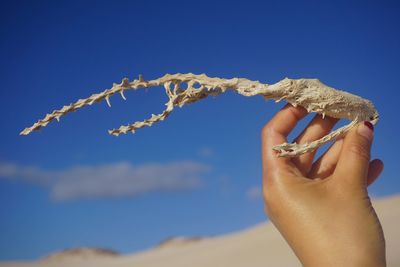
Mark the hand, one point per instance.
(322, 209)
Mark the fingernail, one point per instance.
(366, 129)
(369, 125)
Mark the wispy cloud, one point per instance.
(109, 180)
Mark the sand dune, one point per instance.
(258, 246)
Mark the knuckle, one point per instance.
(361, 150)
(266, 129)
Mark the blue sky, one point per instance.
(71, 184)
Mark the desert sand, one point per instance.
(258, 246)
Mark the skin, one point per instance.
(322, 207)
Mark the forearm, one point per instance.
(347, 237)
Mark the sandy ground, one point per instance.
(258, 246)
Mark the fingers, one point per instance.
(374, 170)
(326, 164)
(274, 133)
(316, 129)
(354, 157)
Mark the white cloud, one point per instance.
(254, 193)
(110, 180)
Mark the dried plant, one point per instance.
(183, 89)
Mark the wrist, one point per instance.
(340, 256)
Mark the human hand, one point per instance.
(322, 209)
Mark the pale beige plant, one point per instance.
(183, 89)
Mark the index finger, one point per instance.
(275, 132)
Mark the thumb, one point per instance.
(355, 154)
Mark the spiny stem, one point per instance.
(308, 93)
